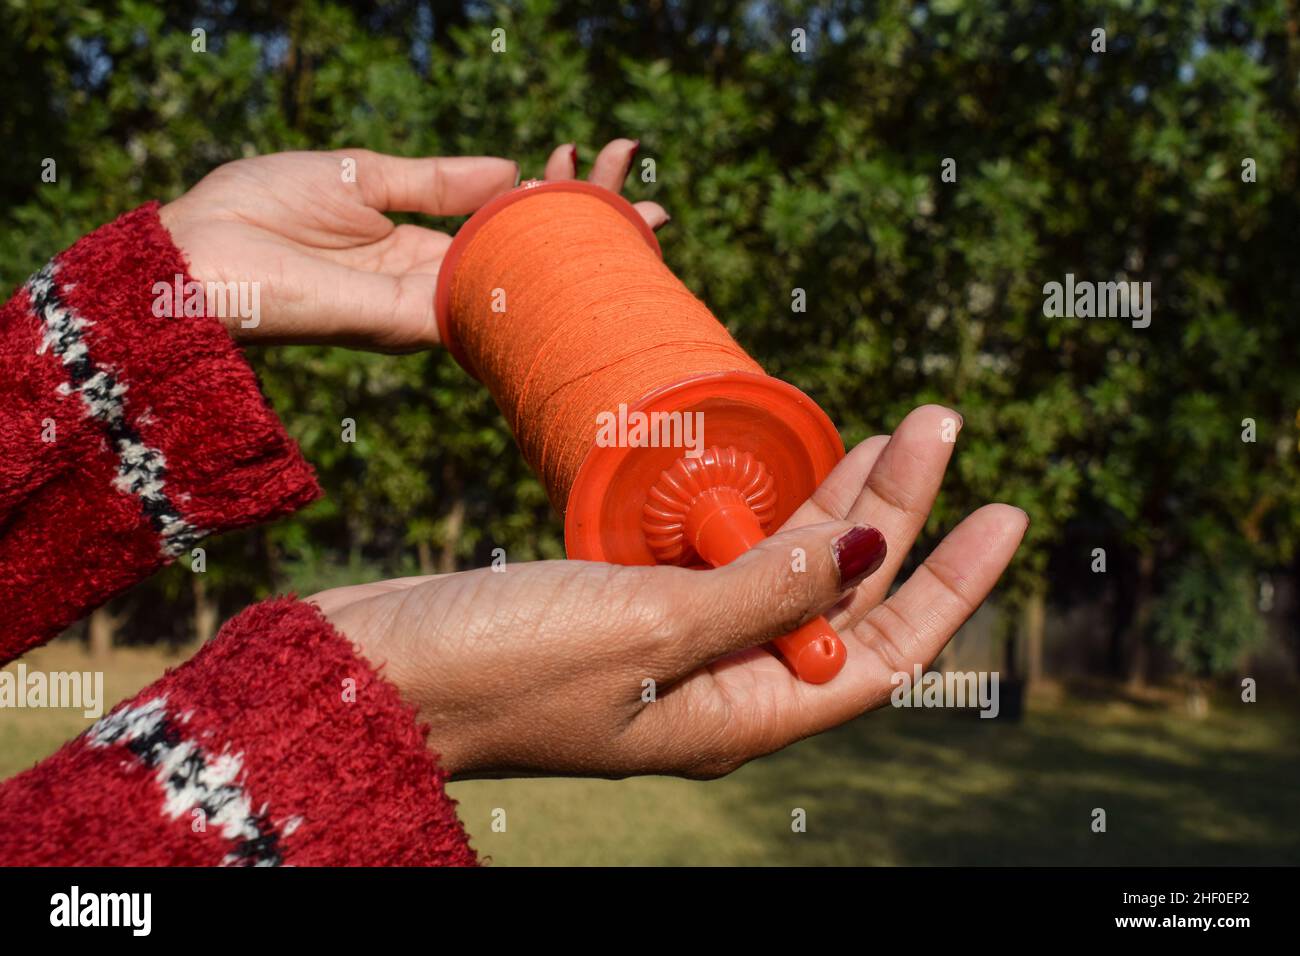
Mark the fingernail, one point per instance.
(631, 157)
(858, 553)
(518, 173)
(573, 155)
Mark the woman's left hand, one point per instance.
(544, 669)
(309, 228)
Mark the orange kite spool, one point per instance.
(654, 433)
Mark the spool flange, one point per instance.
(770, 419)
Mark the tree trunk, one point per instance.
(1121, 618)
(1137, 636)
(205, 610)
(99, 633)
(1011, 691)
(1010, 657)
(451, 539)
(424, 555)
(1033, 623)
(1294, 598)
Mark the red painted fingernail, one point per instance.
(573, 153)
(858, 552)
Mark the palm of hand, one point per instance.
(331, 266)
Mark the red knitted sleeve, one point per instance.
(126, 437)
(274, 745)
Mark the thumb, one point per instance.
(779, 584)
(338, 598)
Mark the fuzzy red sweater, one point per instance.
(126, 439)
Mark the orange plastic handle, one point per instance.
(721, 529)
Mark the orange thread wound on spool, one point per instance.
(594, 324)
(592, 316)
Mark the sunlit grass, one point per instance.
(28, 735)
(896, 787)
(915, 787)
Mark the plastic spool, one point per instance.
(768, 447)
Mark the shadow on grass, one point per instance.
(929, 787)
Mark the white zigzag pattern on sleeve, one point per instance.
(141, 469)
(190, 779)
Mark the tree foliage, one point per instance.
(817, 170)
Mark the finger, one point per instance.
(749, 705)
(653, 214)
(771, 589)
(435, 186)
(326, 303)
(334, 599)
(562, 163)
(901, 489)
(613, 163)
(836, 495)
(915, 624)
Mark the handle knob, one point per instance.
(716, 506)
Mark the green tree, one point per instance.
(817, 170)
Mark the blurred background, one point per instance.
(1159, 465)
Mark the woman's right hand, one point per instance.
(573, 667)
(308, 230)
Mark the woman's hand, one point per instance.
(570, 667)
(310, 229)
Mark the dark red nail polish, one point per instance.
(573, 154)
(858, 553)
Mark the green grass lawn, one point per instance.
(895, 787)
(909, 787)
